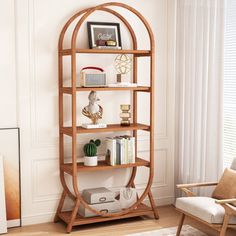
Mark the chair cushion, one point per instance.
(226, 188)
(204, 208)
(233, 165)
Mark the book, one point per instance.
(111, 151)
(131, 150)
(122, 85)
(118, 159)
(121, 149)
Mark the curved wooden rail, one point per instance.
(77, 197)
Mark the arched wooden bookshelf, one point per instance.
(72, 218)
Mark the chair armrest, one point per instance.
(197, 185)
(185, 187)
(225, 201)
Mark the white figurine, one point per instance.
(93, 111)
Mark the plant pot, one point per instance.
(91, 161)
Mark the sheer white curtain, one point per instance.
(199, 90)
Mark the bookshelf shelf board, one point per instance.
(109, 128)
(68, 90)
(102, 165)
(138, 53)
(141, 210)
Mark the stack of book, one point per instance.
(120, 150)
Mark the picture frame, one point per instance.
(10, 150)
(104, 31)
(3, 216)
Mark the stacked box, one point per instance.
(100, 199)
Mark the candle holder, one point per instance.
(125, 115)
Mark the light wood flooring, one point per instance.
(168, 217)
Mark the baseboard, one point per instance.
(38, 219)
(161, 201)
(48, 217)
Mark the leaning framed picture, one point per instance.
(9, 149)
(3, 217)
(104, 35)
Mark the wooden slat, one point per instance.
(141, 53)
(102, 165)
(141, 210)
(109, 128)
(68, 90)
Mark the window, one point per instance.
(230, 84)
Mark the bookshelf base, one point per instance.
(141, 210)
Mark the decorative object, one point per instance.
(3, 219)
(186, 231)
(218, 214)
(92, 76)
(9, 148)
(123, 65)
(107, 207)
(125, 115)
(90, 151)
(128, 196)
(111, 43)
(98, 195)
(93, 111)
(105, 31)
(74, 168)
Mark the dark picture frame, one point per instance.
(103, 30)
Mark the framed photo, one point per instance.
(9, 149)
(100, 33)
(3, 218)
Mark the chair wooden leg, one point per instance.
(225, 225)
(180, 224)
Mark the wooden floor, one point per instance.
(168, 217)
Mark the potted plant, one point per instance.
(90, 151)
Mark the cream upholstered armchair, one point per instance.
(217, 211)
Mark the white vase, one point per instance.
(91, 161)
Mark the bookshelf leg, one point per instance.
(73, 216)
(153, 205)
(60, 206)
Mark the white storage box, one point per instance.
(108, 207)
(98, 195)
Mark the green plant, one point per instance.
(90, 149)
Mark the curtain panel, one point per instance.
(199, 90)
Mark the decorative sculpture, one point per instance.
(93, 111)
(125, 115)
(123, 65)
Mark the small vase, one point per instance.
(91, 161)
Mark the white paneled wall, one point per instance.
(8, 117)
(38, 24)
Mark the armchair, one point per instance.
(217, 214)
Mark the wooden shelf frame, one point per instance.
(72, 218)
(102, 166)
(110, 128)
(68, 90)
(141, 210)
(137, 53)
